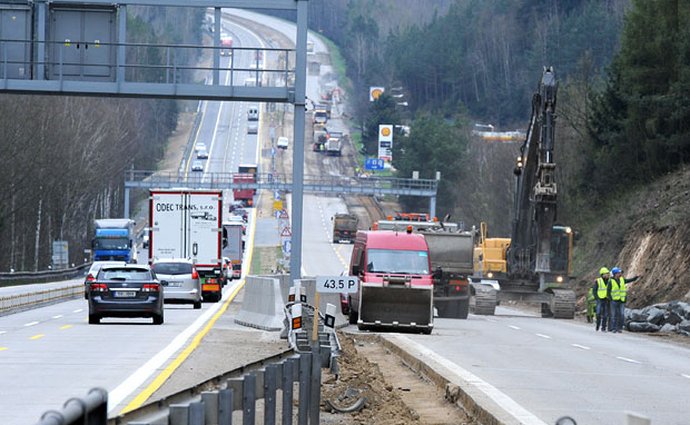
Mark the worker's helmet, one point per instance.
(603, 271)
(616, 270)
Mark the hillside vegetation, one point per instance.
(622, 144)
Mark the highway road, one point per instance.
(538, 369)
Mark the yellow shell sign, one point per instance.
(375, 93)
(385, 131)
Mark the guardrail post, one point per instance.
(179, 414)
(196, 413)
(249, 399)
(305, 361)
(225, 406)
(315, 385)
(210, 402)
(286, 384)
(270, 385)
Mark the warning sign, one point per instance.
(284, 214)
(286, 232)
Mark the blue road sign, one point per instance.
(374, 164)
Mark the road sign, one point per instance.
(286, 232)
(283, 214)
(337, 284)
(287, 246)
(374, 164)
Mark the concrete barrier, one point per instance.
(262, 305)
(18, 298)
(265, 297)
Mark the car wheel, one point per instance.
(197, 305)
(158, 319)
(94, 319)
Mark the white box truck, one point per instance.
(186, 223)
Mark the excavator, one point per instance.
(534, 263)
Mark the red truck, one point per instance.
(246, 173)
(395, 282)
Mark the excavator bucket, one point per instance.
(403, 307)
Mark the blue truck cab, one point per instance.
(114, 240)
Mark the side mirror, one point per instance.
(355, 270)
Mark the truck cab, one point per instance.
(395, 281)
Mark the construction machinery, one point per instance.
(395, 282)
(534, 262)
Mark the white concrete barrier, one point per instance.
(18, 298)
(262, 305)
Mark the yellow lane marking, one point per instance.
(65, 327)
(144, 395)
(39, 336)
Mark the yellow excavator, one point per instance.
(535, 262)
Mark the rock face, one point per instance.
(666, 317)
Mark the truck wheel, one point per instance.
(463, 309)
(352, 316)
(197, 305)
(158, 319)
(94, 319)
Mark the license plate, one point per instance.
(124, 294)
(174, 284)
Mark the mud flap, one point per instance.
(452, 308)
(395, 306)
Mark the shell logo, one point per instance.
(385, 131)
(375, 93)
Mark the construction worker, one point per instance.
(602, 293)
(619, 293)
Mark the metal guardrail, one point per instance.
(274, 181)
(26, 278)
(91, 410)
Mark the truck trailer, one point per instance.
(186, 223)
(114, 240)
(344, 227)
(233, 248)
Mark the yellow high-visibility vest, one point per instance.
(622, 289)
(615, 290)
(601, 289)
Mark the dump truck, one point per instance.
(334, 143)
(186, 223)
(320, 137)
(451, 253)
(246, 173)
(344, 227)
(534, 263)
(395, 282)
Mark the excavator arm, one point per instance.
(536, 190)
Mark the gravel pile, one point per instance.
(665, 317)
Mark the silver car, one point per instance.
(180, 281)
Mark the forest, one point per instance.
(63, 158)
(622, 66)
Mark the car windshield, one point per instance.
(172, 268)
(111, 243)
(124, 274)
(397, 261)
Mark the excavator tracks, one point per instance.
(563, 304)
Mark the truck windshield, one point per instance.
(396, 261)
(111, 243)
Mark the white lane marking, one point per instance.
(685, 376)
(462, 377)
(492, 320)
(79, 310)
(156, 363)
(625, 359)
(57, 316)
(543, 336)
(31, 323)
(514, 327)
(580, 346)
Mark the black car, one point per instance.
(128, 290)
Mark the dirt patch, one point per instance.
(394, 393)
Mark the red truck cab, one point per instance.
(395, 281)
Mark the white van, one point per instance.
(253, 113)
(282, 142)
